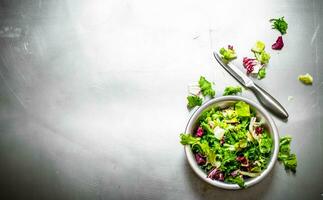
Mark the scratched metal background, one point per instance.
(92, 94)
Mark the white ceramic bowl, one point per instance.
(223, 102)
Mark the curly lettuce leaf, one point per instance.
(232, 90)
(194, 100)
(206, 87)
(242, 109)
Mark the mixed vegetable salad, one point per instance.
(230, 144)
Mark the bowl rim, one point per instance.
(271, 124)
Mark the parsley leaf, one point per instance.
(279, 24)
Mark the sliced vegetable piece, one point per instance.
(279, 44)
(307, 79)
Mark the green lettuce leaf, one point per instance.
(289, 160)
(194, 100)
(232, 90)
(307, 79)
(261, 73)
(242, 109)
(263, 57)
(265, 143)
(227, 54)
(187, 139)
(259, 47)
(206, 87)
(238, 180)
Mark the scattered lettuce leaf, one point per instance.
(227, 54)
(242, 109)
(232, 90)
(307, 79)
(259, 47)
(206, 87)
(261, 73)
(289, 160)
(279, 24)
(194, 100)
(263, 57)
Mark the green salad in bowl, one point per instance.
(231, 142)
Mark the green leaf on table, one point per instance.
(194, 100)
(232, 90)
(289, 160)
(206, 87)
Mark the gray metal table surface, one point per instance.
(93, 95)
